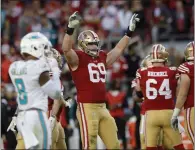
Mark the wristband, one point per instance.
(70, 31)
(176, 112)
(139, 94)
(129, 33)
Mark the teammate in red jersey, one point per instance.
(158, 84)
(185, 97)
(88, 69)
(138, 97)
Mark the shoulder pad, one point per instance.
(143, 68)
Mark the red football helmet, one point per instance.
(89, 42)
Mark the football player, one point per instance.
(54, 108)
(185, 97)
(33, 85)
(88, 68)
(158, 84)
(138, 97)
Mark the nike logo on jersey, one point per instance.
(157, 74)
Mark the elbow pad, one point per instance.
(139, 94)
(53, 88)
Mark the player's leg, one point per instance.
(88, 121)
(61, 144)
(166, 141)
(152, 128)
(20, 142)
(108, 129)
(169, 132)
(55, 136)
(141, 131)
(189, 123)
(42, 130)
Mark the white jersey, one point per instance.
(25, 77)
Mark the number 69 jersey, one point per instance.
(90, 78)
(25, 77)
(158, 85)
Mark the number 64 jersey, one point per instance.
(158, 85)
(90, 78)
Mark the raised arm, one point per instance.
(116, 52)
(70, 55)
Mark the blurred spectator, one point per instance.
(4, 69)
(91, 14)
(25, 21)
(48, 30)
(180, 23)
(124, 15)
(133, 61)
(138, 9)
(160, 21)
(118, 107)
(119, 69)
(108, 14)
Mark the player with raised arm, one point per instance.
(185, 97)
(88, 68)
(158, 84)
(33, 85)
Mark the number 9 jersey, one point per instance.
(90, 78)
(158, 85)
(25, 77)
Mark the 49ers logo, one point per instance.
(97, 72)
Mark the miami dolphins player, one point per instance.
(33, 85)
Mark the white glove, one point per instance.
(12, 124)
(52, 122)
(132, 23)
(74, 20)
(68, 102)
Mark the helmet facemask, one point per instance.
(89, 42)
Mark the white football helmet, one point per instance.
(34, 43)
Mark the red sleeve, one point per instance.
(183, 69)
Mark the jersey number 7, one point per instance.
(21, 91)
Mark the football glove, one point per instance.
(132, 23)
(174, 122)
(74, 20)
(12, 124)
(52, 122)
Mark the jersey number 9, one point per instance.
(21, 91)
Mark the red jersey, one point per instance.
(116, 99)
(188, 68)
(118, 68)
(90, 78)
(158, 85)
(142, 107)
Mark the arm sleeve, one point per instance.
(53, 87)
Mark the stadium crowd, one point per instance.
(161, 20)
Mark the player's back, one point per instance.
(158, 85)
(25, 77)
(188, 68)
(90, 77)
